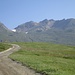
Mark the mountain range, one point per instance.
(56, 31)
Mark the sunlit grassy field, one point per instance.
(46, 58)
(4, 46)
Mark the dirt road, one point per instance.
(9, 67)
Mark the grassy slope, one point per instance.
(4, 46)
(51, 59)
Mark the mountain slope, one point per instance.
(10, 36)
(65, 24)
(68, 24)
(57, 31)
(26, 26)
(34, 26)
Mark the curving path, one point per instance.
(9, 67)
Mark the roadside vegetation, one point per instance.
(4, 46)
(46, 58)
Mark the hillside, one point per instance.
(57, 31)
(64, 24)
(34, 26)
(6, 35)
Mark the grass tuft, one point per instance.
(4, 46)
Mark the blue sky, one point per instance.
(16, 12)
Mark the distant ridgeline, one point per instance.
(57, 31)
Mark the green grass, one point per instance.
(4, 46)
(50, 59)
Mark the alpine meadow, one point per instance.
(46, 58)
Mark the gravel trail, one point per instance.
(9, 67)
